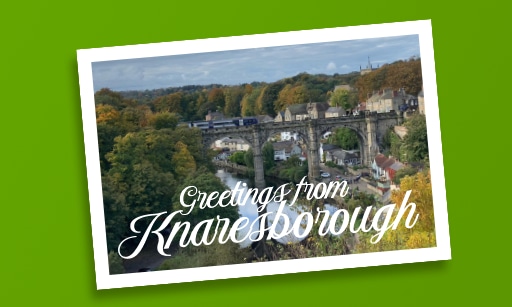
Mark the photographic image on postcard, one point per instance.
(308, 148)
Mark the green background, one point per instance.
(47, 255)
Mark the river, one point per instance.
(249, 210)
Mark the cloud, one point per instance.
(267, 64)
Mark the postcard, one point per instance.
(263, 154)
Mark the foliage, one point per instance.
(182, 161)
(401, 74)
(144, 170)
(115, 263)
(416, 140)
(268, 95)
(268, 156)
(238, 158)
(203, 256)
(345, 138)
(404, 172)
(344, 98)
(249, 158)
(249, 101)
(205, 182)
(216, 97)
(422, 234)
(170, 103)
(164, 120)
(293, 169)
(233, 97)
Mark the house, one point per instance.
(392, 169)
(296, 112)
(285, 149)
(346, 157)
(325, 151)
(384, 168)
(386, 100)
(279, 117)
(303, 111)
(334, 112)
(317, 109)
(233, 144)
(377, 170)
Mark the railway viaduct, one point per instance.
(370, 127)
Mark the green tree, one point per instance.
(404, 172)
(238, 158)
(268, 156)
(249, 102)
(345, 138)
(206, 182)
(164, 120)
(115, 263)
(416, 140)
(265, 102)
(249, 158)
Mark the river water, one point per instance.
(249, 210)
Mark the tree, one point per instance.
(422, 234)
(416, 140)
(144, 170)
(233, 97)
(249, 158)
(268, 156)
(404, 172)
(106, 113)
(249, 102)
(183, 161)
(169, 103)
(205, 182)
(238, 158)
(164, 120)
(216, 97)
(345, 138)
(265, 102)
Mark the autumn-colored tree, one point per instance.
(233, 97)
(169, 103)
(292, 95)
(265, 102)
(106, 113)
(107, 96)
(249, 102)
(422, 234)
(183, 161)
(216, 97)
(401, 74)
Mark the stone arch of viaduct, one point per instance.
(369, 127)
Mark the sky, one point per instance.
(236, 67)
